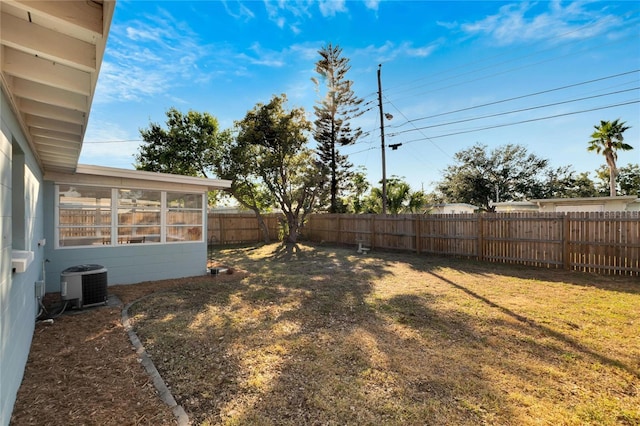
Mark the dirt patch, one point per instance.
(82, 368)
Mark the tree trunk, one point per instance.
(263, 226)
(261, 223)
(613, 173)
(612, 183)
(292, 234)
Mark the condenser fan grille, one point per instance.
(94, 288)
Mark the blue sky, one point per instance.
(453, 74)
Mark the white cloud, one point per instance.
(421, 52)
(292, 13)
(306, 51)
(288, 13)
(149, 56)
(382, 53)
(331, 7)
(390, 51)
(264, 57)
(295, 28)
(238, 10)
(448, 25)
(372, 4)
(128, 83)
(523, 22)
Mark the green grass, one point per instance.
(327, 336)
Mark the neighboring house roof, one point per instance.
(471, 206)
(617, 203)
(590, 204)
(451, 208)
(514, 206)
(90, 174)
(50, 57)
(586, 200)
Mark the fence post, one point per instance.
(566, 235)
(418, 228)
(223, 239)
(480, 249)
(373, 231)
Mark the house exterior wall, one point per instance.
(597, 205)
(453, 208)
(634, 207)
(567, 205)
(515, 207)
(126, 264)
(18, 304)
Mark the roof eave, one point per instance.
(141, 175)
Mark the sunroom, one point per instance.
(139, 225)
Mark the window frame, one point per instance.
(115, 239)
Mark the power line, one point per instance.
(409, 121)
(630, 102)
(635, 101)
(514, 111)
(524, 96)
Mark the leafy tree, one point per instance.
(357, 187)
(418, 200)
(400, 198)
(629, 179)
(272, 142)
(628, 182)
(193, 145)
(188, 146)
(608, 139)
(235, 163)
(565, 183)
(580, 186)
(333, 114)
(505, 174)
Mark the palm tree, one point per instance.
(607, 140)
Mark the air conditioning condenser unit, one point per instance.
(84, 285)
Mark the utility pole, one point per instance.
(384, 166)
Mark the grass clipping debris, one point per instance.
(332, 337)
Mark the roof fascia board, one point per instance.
(587, 200)
(141, 175)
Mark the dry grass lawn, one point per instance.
(329, 337)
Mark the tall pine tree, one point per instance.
(333, 111)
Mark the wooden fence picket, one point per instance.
(599, 242)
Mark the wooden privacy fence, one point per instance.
(601, 242)
(226, 228)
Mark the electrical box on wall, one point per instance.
(40, 289)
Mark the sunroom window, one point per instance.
(139, 216)
(184, 217)
(84, 216)
(97, 216)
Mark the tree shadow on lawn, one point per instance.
(426, 262)
(307, 341)
(285, 350)
(539, 329)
